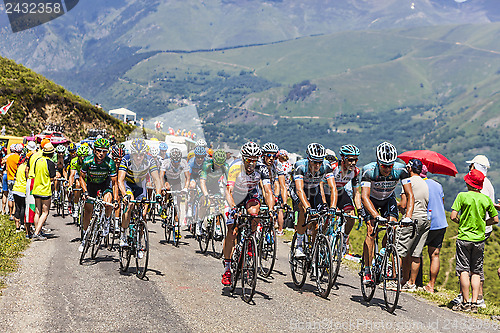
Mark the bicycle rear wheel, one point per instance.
(58, 206)
(168, 223)
(267, 251)
(235, 268)
(368, 290)
(249, 269)
(323, 265)
(391, 278)
(219, 232)
(337, 243)
(204, 238)
(298, 267)
(176, 230)
(142, 249)
(62, 200)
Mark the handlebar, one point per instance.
(399, 223)
(100, 200)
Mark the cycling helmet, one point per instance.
(138, 146)
(163, 146)
(83, 151)
(330, 156)
(154, 151)
(112, 140)
(176, 155)
(270, 148)
(386, 153)
(315, 152)
(250, 149)
(219, 157)
(201, 143)
(61, 149)
(283, 152)
(101, 143)
(349, 150)
(200, 151)
(72, 147)
(117, 152)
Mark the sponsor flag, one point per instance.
(6, 108)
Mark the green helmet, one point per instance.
(219, 157)
(101, 143)
(83, 151)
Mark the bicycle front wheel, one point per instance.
(323, 267)
(87, 239)
(337, 243)
(391, 278)
(249, 269)
(62, 200)
(368, 290)
(125, 254)
(219, 232)
(204, 238)
(142, 249)
(298, 267)
(267, 251)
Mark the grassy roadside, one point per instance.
(11, 246)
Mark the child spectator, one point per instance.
(473, 207)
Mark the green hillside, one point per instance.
(38, 101)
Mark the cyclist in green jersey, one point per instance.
(95, 174)
(74, 170)
(213, 172)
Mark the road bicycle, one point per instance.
(244, 257)
(385, 267)
(94, 234)
(213, 227)
(317, 259)
(170, 215)
(266, 242)
(137, 240)
(60, 200)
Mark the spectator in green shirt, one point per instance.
(472, 222)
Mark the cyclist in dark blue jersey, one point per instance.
(307, 175)
(378, 181)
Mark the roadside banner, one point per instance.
(6, 108)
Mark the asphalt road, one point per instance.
(183, 293)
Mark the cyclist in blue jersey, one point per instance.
(132, 177)
(378, 181)
(307, 175)
(195, 166)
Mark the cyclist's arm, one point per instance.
(121, 182)
(402, 203)
(83, 185)
(187, 176)
(322, 191)
(367, 203)
(268, 196)
(333, 191)
(114, 184)
(157, 181)
(410, 199)
(203, 185)
(72, 174)
(282, 184)
(299, 186)
(357, 198)
(229, 195)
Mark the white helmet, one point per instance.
(386, 153)
(250, 149)
(201, 143)
(154, 151)
(316, 152)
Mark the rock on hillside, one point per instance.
(38, 101)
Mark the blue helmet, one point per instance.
(200, 151)
(163, 146)
(349, 150)
(138, 146)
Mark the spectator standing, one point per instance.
(19, 193)
(11, 166)
(5, 187)
(472, 223)
(30, 181)
(410, 249)
(45, 171)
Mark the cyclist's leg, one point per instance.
(369, 245)
(229, 243)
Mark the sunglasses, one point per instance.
(99, 150)
(251, 161)
(316, 162)
(270, 155)
(387, 166)
(352, 160)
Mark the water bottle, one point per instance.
(382, 251)
(429, 215)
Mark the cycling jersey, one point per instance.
(213, 176)
(311, 181)
(136, 174)
(242, 182)
(383, 187)
(195, 168)
(98, 173)
(75, 165)
(342, 180)
(173, 171)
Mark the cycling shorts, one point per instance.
(387, 207)
(252, 196)
(175, 184)
(139, 191)
(93, 188)
(344, 201)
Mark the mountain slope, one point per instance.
(38, 101)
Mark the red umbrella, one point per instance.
(435, 162)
